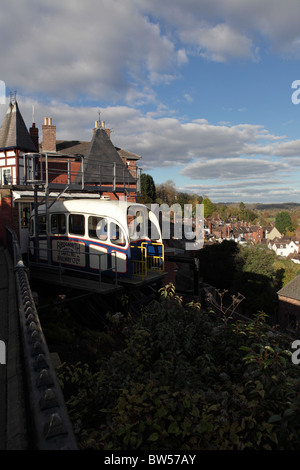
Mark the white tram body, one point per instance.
(93, 234)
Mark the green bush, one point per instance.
(188, 379)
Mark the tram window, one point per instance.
(117, 236)
(31, 230)
(41, 224)
(58, 223)
(153, 232)
(76, 224)
(98, 228)
(136, 222)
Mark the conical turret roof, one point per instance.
(14, 133)
(99, 161)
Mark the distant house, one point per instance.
(289, 306)
(239, 231)
(243, 232)
(272, 233)
(284, 247)
(297, 233)
(257, 233)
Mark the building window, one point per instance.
(6, 176)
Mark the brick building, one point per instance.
(289, 306)
(95, 168)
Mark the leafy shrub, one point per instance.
(188, 379)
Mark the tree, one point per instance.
(182, 199)
(245, 214)
(209, 207)
(166, 193)
(283, 221)
(217, 264)
(182, 377)
(148, 188)
(257, 279)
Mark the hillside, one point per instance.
(277, 206)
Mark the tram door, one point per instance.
(118, 239)
(97, 227)
(112, 236)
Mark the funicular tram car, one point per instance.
(89, 235)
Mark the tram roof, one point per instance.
(114, 208)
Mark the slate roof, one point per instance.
(102, 152)
(291, 289)
(72, 147)
(14, 133)
(79, 147)
(128, 155)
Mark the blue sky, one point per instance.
(200, 89)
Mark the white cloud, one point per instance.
(232, 28)
(116, 50)
(119, 53)
(164, 140)
(289, 148)
(218, 43)
(249, 191)
(168, 142)
(100, 49)
(226, 162)
(188, 97)
(234, 168)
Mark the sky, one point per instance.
(207, 92)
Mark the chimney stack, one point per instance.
(34, 134)
(49, 136)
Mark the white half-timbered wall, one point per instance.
(8, 167)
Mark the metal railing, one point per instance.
(148, 262)
(139, 266)
(68, 170)
(50, 423)
(63, 266)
